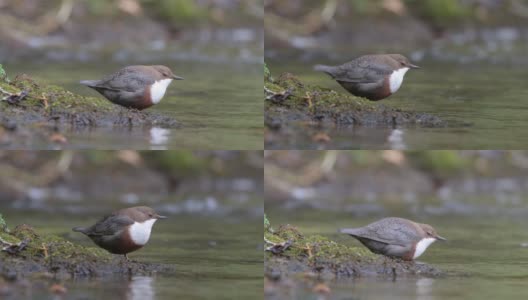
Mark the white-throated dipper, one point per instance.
(374, 77)
(123, 231)
(395, 237)
(136, 87)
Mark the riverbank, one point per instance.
(293, 107)
(290, 252)
(25, 252)
(34, 113)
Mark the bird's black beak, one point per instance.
(441, 238)
(414, 66)
(176, 77)
(160, 217)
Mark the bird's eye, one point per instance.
(402, 63)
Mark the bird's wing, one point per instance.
(108, 225)
(384, 234)
(359, 72)
(126, 79)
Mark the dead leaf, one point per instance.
(308, 97)
(394, 6)
(12, 248)
(277, 97)
(58, 289)
(130, 157)
(58, 138)
(16, 98)
(321, 288)
(279, 247)
(394, 157)
(132, 7)
(321, 137)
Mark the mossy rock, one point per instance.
(57, 106)
(329, 259)
(46, 109)
(55, 96)
(311, 103)
(54, 254)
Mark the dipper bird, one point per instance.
(375, 76)
(136, 87)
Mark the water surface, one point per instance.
(218, 104)
(214, 258)
(485, 106)
(483, 258)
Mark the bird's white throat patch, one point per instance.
(396, 79)
(157, 90)
(422, 245)
(140, 232)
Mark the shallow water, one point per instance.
(218, 105)
(214, 258)
(483, 258)
(484, 105)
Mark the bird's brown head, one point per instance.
(403, 62)
(166, 73)
(143, 213)
(430, 232)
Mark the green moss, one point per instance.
(313, 98)
(8, 88)
(267, 225)
(267, 73)
(9, 238)
(51, 247)
(56, 97)
(3, 75)
(3, 225)
(315, 247)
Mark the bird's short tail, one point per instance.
(327, 69)
(347, 230)
(89, 82)
(79, 229)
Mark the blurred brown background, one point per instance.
(440, 29)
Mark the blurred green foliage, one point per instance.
(267, 73)
(174, 12)
(3, 225)
(439, 161)
(101, 7)
(3, 74)
(184, 162)
(179, 11)
(365, 6)
(267, 225)
(440, 11)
